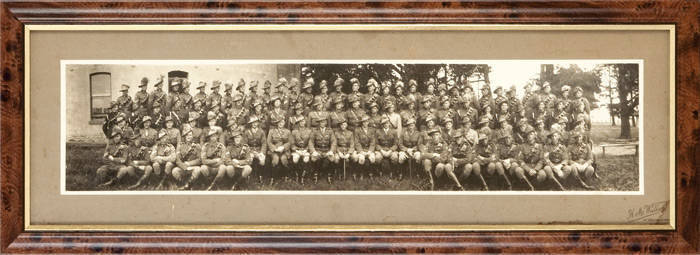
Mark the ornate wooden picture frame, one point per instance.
(16, 15)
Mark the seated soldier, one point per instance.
(299, 140)
(212, 157)
(254, 137)
(531, 153)
(163, 155)
(278, 142)
(364, 145)
(322, 146)
(114, 157)
(345, 145)
(463, 154)
(188, 158)
(556, 159)
(386, 146)
(485, 156)
(408, 142)
(138, 159)
(507, 154)
(581, 159)
(236, 161)
(437, 151)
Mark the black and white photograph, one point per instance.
(456, 126)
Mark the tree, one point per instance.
(573, 76)
(628, 90)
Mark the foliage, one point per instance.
(574, 76)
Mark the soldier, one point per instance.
(556, 158)
(157, 116)
(528, 99)
(503, 112)
(428, 96)
(386, 146)
(547, 97)
(162, 156)
(323, 95)
(258, 113)
(188, 158)
(299, 140)
(293, 92)
(276, 112)
(424, 112)
(213, 153)
(306, 98)
(486, 100)
(408, 142)
(413, 95)
(211, 125)
(448, 132)
(298, 114)
(578, 97)
(386, 97)
(338, 93)
(540, 112)
(175, 100)
(237, 113)
(399, 91)
(138, 158)
(141, 99)
(148, 135)
(485, 156)
(124, 101)
(265, 97)
(345, 143)
(214, 99)
(322, 147)
(446, 112)
(463, 153)
(470, 135)
(282, 91)
(157, 96)
(255, 138)
(581, 159)
(375, 119)
(201, 95)
(409, 109)
(372, 95)
(455, 98)
(173, 134)
(365, 141)
(227, 99)
(114, 158)
(565, 98)
(507, 154)
(339, 114)
(126, 130)
(441, 92)
(514, 106)
(532, 153)
(110, 119)
(237, 157)
(542, 133)
(437, 151)
(394, 118)
(319, 114)
(356, 93)
(278, 140)
(355, 113)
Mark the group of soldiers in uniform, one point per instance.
(301, 132)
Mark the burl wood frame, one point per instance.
(683, 14)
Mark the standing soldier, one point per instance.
(174, 103)
(355, 113)
(298, 114)
(486, 100)
(214, 99)
(323, 95)
(424, 113)
(372, 95)
(278, 141)
(306, 98)
(394, 118)
(141, 99)
(319, 114)
(387, 97)
(157, 116)
(266, 96)
(227, 99)
(255, 138)
(365, 141)
(237, 157)
(345, 144)
(322, 147)
(114, 158)
(466, 112)
(252, 94)
(157, 95)
(338, 115)
(201, 95)
(212, 157)
(500, 97)
(188, 158)
(581, 159)
(375, 119)
(386, 146)
(547, 96)
(565, 98)
(338, 94)
(293, 92)
(555, 158)
(356, 93)
(124, 101)
(532, 153)
(400, 97)
(446, 112)
(110, 119)
(515, 107)
(162, 156)
(578, 98)
(428, 96)
(408, 110)
(299, 140)
(413, 95)
(282, 91)
(276, 112)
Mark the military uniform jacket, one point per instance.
(277, 113)
(470, 135)
(448, 135)
(148, 136)
(156, 96)
(278, 137)
(125, 104)
(485, 150)
(255, 139)
(237, 114)
(163, 150)
(305, 99)
(316, 116)
(338, 96)
(300, 138)
(262, 116)
(413, 97)
(367, 99)
(344, 141)
(579, 152)
(550, 100)
(365, 139)
(189, 151)
(375, 121)
(508, 151)
(528, 101)
(463, 150)
(141, 153)
(213, 151)
(172, 102)
(322, 140)
(141, 103)
(240, 153)
(226, 137)
(440, 147)
(226, 102)
(118, 150)
(409, 139)
(556, 153)
(294, 119)
(205, 131)
(387, 139)
(326, 100)
(531, 153)
(469, 112)
(158, 120)
(354, 116)
(335, 118)
(586, 104)
(200, 96)
(212, 100)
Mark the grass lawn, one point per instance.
(617, 172)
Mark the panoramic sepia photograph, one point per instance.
(457, 126)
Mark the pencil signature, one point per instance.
(644, 213)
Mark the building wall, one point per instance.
(78, 121)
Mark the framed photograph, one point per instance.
(197, 128)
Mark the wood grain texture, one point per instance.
(684, 14)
